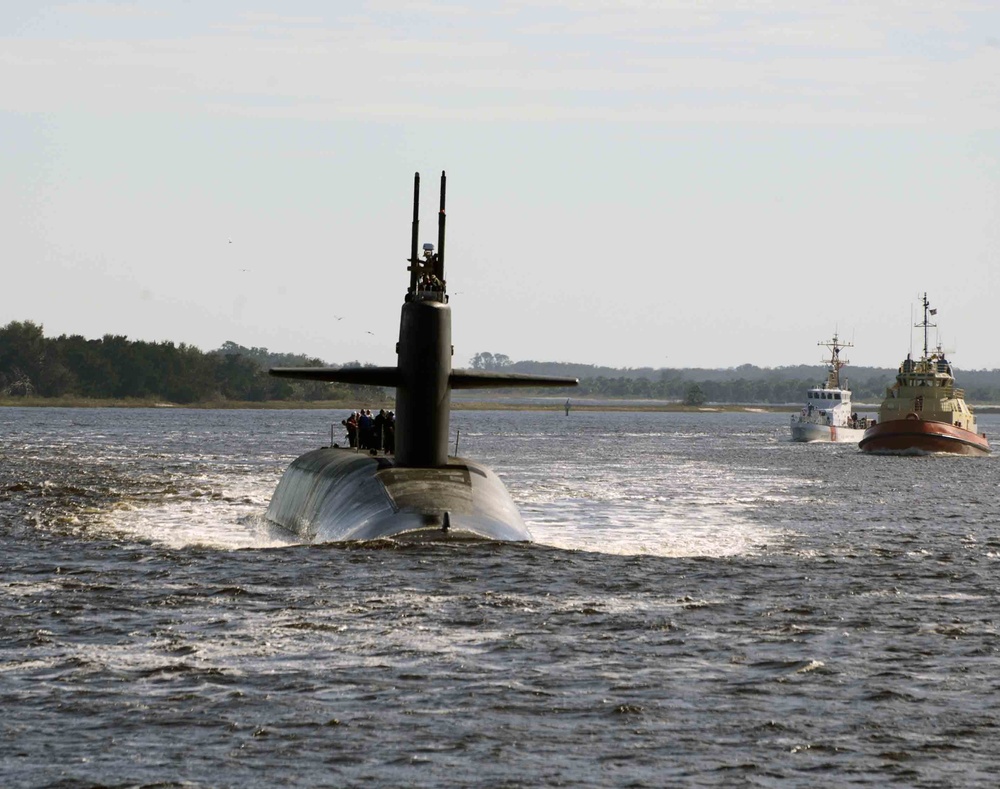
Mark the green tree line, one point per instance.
(774, 390)
(745, 384)
(740, 390)
(115, 367)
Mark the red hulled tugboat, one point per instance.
(923, 412)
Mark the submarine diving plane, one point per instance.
(334, 494)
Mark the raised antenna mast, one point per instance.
(440, 250)
(835, 363)
(414, 261)
(926, 323)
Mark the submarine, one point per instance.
(334, 494)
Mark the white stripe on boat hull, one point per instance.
(810, 432)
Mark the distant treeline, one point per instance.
(744, 384)
(115, 367)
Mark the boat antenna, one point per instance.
(835, 362)
(926, 323)
(910, 354)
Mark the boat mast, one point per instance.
(926, 324)
(833, 378)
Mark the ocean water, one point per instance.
(705, 604)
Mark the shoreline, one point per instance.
(456, 405)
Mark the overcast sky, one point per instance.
(630, 182)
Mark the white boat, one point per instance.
(827, 416)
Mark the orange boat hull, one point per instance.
(917, 436)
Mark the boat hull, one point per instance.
(810, 432)
(920, 437)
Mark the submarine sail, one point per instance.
(333, 493)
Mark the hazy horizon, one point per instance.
(465, 363)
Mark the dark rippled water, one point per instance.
(706, 604)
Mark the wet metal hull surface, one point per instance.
(918, 436)
(334, 494)
(811, 432)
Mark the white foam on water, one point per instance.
(225, 513)
(696, 509)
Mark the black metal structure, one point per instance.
(423, 378)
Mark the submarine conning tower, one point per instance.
(424, 351)
(423, 375)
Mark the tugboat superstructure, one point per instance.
(923, 412)
(827, 416)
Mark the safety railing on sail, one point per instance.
(431, 295)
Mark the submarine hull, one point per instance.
(334, 494)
